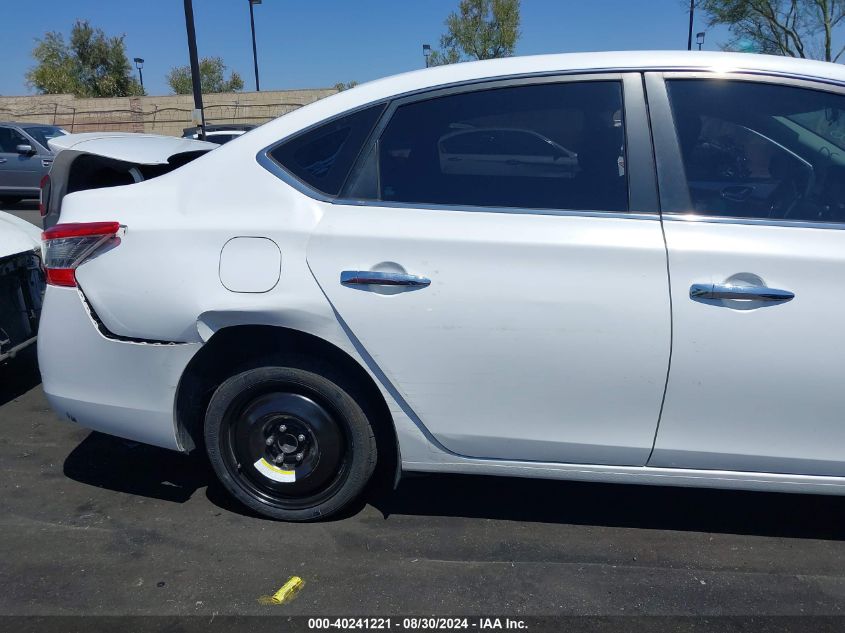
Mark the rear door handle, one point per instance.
(750, 293)
(2, 160)
(374, 278)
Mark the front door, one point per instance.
(518, 304)
(18, 171)
(757, 266)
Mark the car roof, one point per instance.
(248, 145)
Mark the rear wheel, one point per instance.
(289, 443)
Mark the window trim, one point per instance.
(639, 157)
(671, 175)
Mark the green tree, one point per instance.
(212, 78)
(795, 28)
(479, 29)
(341, 86)
(91, 64)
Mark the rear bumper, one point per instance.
(117, 387)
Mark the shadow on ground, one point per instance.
(18, 375)
(137, 469)
(620, 505)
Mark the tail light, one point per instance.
(44, 194)
(65, 246)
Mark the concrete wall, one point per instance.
(159, 115)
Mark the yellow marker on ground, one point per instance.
(286, 593)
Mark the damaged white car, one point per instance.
(21, 284)
(349, 286)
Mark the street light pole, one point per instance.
(139, 64)
(254, 49)
(195, 67)
(691, 20)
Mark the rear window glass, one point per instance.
(322, 157)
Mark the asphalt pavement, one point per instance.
(91, 524)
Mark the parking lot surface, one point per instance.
(91, 524)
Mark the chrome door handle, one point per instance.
(752, 293)
(374, 278)
(2, 160)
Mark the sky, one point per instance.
(316, 44)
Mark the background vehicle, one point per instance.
(24, 158)
(21, 284)
(321, 296)
(93, 160)
(219, 133)
(507, 153)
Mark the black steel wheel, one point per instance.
(291, 444)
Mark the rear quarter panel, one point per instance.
(165, 273)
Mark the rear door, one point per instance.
(516, 314)
(752, 181)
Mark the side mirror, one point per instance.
(25, 150)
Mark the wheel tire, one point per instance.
(302, 417)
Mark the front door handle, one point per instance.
(374, 278)
(750, 293)
(2, 160)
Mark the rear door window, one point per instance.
(544, 146)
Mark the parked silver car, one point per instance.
(25, 158)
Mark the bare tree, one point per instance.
(795, 28)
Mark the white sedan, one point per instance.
(319, 301)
